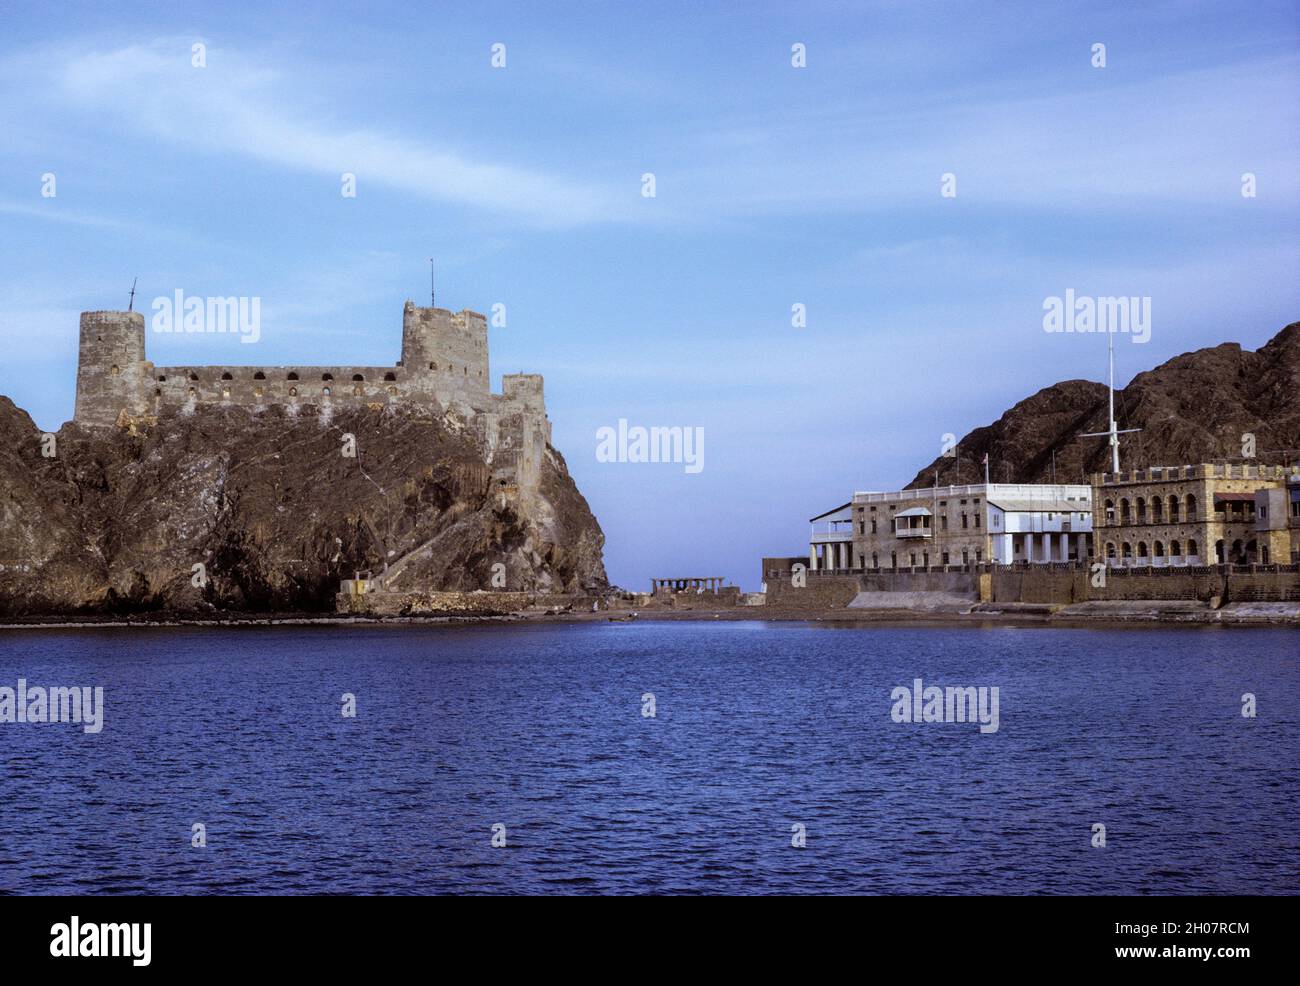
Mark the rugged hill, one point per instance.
(1194, 408)
(266, 502)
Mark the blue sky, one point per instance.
(775, 185)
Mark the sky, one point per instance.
(776, 185)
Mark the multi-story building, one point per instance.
(1277, 521)
(1194, 515)
(955, 525)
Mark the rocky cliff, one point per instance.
(1194, 408)
(120, 520)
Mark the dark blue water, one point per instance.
(758, 727)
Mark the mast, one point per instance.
(1114, 435)
(1113, 432)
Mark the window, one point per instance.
(943, 522)
(327, 376)
(862, 528)
(226, 376)
(945, 558)
(259, 375)
(114, 370)
(1110, 512)
(873, 523)
(390, 377)
(357, 378)
(964, 522)
(162, 379)
(977, 518)
(292, 376)
(1192, 549)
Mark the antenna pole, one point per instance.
(1114, 435)
(131, 304)
(433, 289)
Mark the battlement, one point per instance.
(444, 361)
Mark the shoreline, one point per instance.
(1137, 615)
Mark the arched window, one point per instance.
(226, 376)
(1174, 549)
(114, 370)
(162, 379)
(1191, 507)
(1142, 549)
(390, 377)
(1126, 551)
(327, 376)
(292, 376)
(293, 391)
(1238, 552)
(1158, 549)
(1110, 549)
(1123, 511)
(1141, 510)
(433, 366)
(1110, 513)
(259, 375)
(194, 376)
(1218, 551)
(357, 377)
(875, 560)
(325, 391)
(1158, 510)
(358, 391)
(1192, 550)
(392, 391)
(1173, 509)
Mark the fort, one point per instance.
(444, 364)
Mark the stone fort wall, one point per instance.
(444, 362)
(444, 359)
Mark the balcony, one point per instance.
(913, 532)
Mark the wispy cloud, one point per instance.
(237, 105)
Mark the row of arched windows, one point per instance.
(1157, 510)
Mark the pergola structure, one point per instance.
(686, 585)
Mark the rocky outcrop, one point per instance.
(236, 509)
(1194, 408)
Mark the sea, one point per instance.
(722, 757)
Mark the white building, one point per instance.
(954, 525)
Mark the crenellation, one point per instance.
(444, 363)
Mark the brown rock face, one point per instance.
(1194, 408)
(119, 519)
